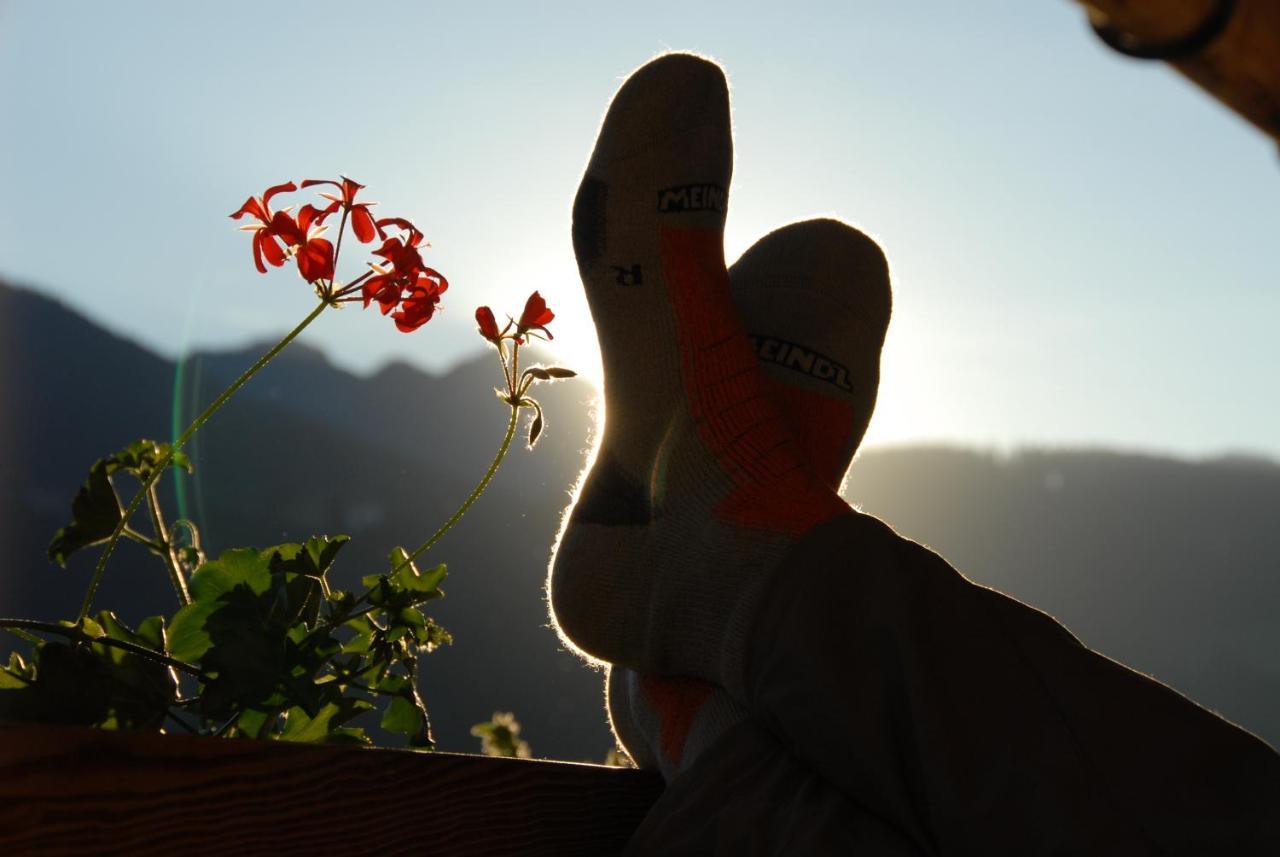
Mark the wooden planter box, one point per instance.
(75, 791)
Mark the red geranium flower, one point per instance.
(264, 240)
(413, 239)
(420, 304)
(403, 257)
(488, 324)
(315, 254)
(361, 220)
(536, 316)
(405, 267)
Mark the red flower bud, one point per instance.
(488, 325)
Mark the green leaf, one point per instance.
(152, 633)
(237, 628)
(251, 721)
(323, 550)
(19, 668)
(410, 579)
(363, 639)
(313, 558)
(405, 585)
(406, 714)
(11, 679)
(96, 509)
(140, 458)
(95, 512)
(348, 735)
(142, 688)
(412, 621)
(211, 589)
(71, 686)
(302, 728)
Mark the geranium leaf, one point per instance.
(239, 567)
(405, 714)
(96, 509)
(95, 512)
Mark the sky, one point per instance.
(1085, 249)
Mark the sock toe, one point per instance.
(827, 259)
(663, 99)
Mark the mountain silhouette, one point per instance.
(1170, 566)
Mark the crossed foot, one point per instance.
(735, 401)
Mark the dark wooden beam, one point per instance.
(1240, 65)
(73, 791)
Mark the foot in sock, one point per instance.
(815, 299)
(698, 488)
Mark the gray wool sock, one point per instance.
(815, 299)
(698, 487)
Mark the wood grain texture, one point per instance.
(1241, 67)
(67, 790)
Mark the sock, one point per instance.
(815, 300)
(698, 488)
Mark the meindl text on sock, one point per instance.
(801, 359)
(692, 197)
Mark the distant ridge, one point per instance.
(1170, 565)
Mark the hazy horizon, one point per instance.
(1012, 452)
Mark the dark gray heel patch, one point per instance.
(612, 497)
(589, 234)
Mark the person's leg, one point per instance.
(980, 725)
(815, 300)
(747, 797)
(702, 545)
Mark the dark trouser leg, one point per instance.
(981, 726)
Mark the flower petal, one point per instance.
(442, 285)
(288, 230)
(253, 208)
(415, 237)
(287, 187)
(349, 190)
(372, 286)
(362, 223)
(536, 313)
(315, 260)
(270, 249)
(257, 253)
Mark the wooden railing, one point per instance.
(1239, 62)
(73, 791)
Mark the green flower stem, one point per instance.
(166, 548)
(72, 633)
(178, 444)
(151, 544)
(475, 494)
